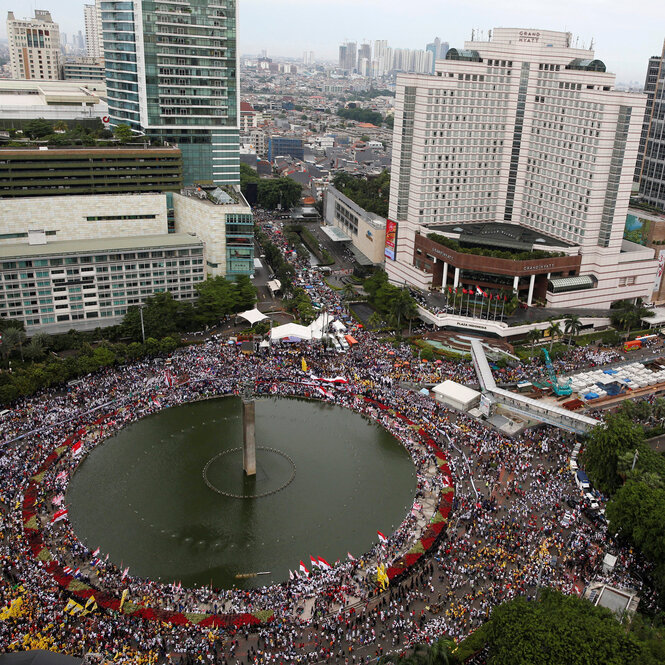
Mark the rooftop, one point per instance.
(98, 245)
(497, 235)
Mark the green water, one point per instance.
(140, 496)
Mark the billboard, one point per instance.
(391, 240)
(659, 275)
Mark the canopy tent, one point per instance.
(292, 330)
(338, 326)
(274, 285)
(320, 326)
(264, 344)
(253, 316)
(456, 395)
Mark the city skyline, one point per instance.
(288, 28)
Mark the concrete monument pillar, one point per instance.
(248, 431)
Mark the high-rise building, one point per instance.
(94, 45)
(308, 58)
(438, 49)
(520, 143)
(34, 47)
(650, 171)
(348, 54)
(172, 74)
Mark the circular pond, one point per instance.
(142, 498)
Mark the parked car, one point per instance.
(582, 480)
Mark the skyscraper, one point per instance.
(650, 171)
(93, 30)
(34, 47)
(171, 74)
(520, 142)
(438, 49)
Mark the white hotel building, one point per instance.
(518, 143)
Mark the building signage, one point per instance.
(529, 36)
(543, 266)
(391, 240)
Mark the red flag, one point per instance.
(382, 539)
(450, 289)
(505, 298)
(59, 515)
(490, 296)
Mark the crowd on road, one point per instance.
(505, 536)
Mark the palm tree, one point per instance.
(402, 305)
(11, 339)
(533, 337)
(554, 329)
(572, 327)
(349, 291)
(375, 321)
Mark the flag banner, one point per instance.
(303, 364)
(57, 500)
(351, 557)
(382, 539)
(124, 573)
(303, 569)
(123, 598)
(59, 515)
(77, 448)
(324, 564)
(313, 561)
(96, 552)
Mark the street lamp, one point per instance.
(142, 326)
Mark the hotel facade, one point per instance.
(512, 171)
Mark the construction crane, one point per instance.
(559, 387)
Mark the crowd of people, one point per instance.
(505, 536)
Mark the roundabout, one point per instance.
(46, 525)
(167, 495)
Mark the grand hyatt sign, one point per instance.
(513, 267)
(528, 36)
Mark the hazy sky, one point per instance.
(625, 33)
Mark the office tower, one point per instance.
(348, 53)
(308, 58)
(364, 57)
(650, 171)
(522, 143)
(171, 74)
(438, 49)
(93, 30)
(34, 46)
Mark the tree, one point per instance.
(558, 629)
(12, 339)
(402, 305)
(605, 444)
(349, 291)
(123, 133)
(38, 128)
(375, 321)
(554, 329)
(35, 349)
(533, 336)
(245, 294)
(572, 327)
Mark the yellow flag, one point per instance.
(125, 593)
(303, 364)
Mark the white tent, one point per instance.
(456, 395)
(338, 326)
(253, 316)
(274, 285)
(320, 326)
(291, 330)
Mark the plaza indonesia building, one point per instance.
(512, 171)
(172, 74)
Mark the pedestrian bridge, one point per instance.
(526, 406)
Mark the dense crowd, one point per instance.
(506, 536)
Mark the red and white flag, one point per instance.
(416, 507)
(291, 574)
(77, 448)
(382, 539)
(480, 292)
(314, 562)
(324, 564)
(351, 557)
(67, 570)
(124, 573)
(96, 552)
(77, 572)
(61, 476)
(59, 515)
(57, 500)
(303, 569)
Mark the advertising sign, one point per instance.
(391, 239)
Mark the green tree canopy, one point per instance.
(372, 194)
(558, 629)
(605, 444)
